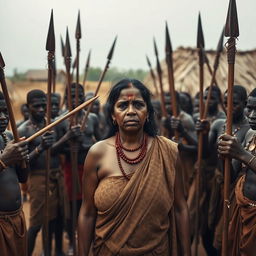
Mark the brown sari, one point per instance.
(140, 221)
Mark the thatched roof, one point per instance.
(186, 70)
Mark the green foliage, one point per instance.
(115, 74)
(17, 76)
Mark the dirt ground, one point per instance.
(38, 245)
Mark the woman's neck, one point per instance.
(131, 138)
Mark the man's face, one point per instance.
(168, 104)
(80, 97)
(37, 108)
(251, 107)
(4, 117)
(214, 100)
(55, 106)
(238, 105)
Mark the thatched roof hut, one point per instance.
(186, 70)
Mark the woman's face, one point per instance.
(130, 110)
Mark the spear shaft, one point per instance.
(50, 47)
(231, 51)
(109, 57)
(153, 76)
(231, 31)
(8, 102)
(87, 65)
(61, 119)
(213, 80)
(169, 62)
(200, 46)
(159, 73)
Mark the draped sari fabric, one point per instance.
(242, 229)
(141, 220)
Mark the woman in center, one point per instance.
(133, 202)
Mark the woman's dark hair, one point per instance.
(150, 126)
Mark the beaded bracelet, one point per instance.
(3, 164)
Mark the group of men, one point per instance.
(67, 136)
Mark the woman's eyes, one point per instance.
(136, 104)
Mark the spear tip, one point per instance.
(67, 45)
(200, 33)
(2, 64)
(110, 54)
(78, 27)
(148, 61)
(232, 27)
(220, 44)
(62, 47)
(155, 47)
(168, 44)
(50, 42)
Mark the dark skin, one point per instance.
(37, 147)
(12, 155)
(218, 127)
(130, 114)
(230, 146)
(55, 100)
(183, 123)
(89, 136)
(53, 139)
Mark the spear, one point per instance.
(215, 68)
(54, 76)
(50, 47)
(78, 35)
(200, 47)
(74, 175)
(159, 73)
(86, 69)
(67, 56)
(231, 31)
(109, 58)
(8, 102)
(169, 62)
(152, 76)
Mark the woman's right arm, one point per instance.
(88, 212)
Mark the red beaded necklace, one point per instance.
(120, 153)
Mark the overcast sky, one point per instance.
(24, 25)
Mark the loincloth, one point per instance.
(13, 233)
(242, 228)
(36, 188)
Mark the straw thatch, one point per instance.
(186, 70)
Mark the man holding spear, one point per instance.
(13, 233)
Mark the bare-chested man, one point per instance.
(13, 233)
(240, 127)
(242, 230)
(36, 101)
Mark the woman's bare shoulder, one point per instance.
(100, 147)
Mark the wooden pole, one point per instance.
(200, 46)
(169, 62)
(109, 57)
(231, 31)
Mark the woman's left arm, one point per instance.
(181, 212)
